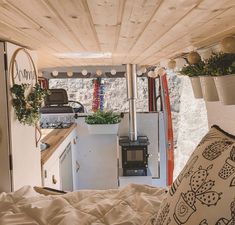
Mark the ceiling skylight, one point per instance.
(84, 55)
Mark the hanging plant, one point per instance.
(220, 64)
(193, 70)
(27, 108)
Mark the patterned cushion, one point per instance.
(204, 191)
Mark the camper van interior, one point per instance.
(117, 112)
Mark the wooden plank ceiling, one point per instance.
(134, 31)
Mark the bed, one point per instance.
(202, 194)
(134, 204)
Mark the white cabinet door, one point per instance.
(59, 170)
(66, 172)
(96, 157)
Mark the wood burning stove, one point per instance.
(134, 148)
(134, 156)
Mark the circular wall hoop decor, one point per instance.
(23, 75)
(27, 95)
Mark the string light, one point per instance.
(171, 64)
(139, 72)
(69, 73)
(151, 74)
(113, 72)
(55, 73)
(99, 72)
(193, 57)
(228, 45)
(84, 72)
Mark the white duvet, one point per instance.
(134, 204)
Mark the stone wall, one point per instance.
(192, 124)
(188, 114)
(175, 88)
(115, 92)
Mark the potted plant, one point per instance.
(194, 71)
(222, 67)
(103, 122)
(209, 89)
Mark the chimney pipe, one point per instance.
(131, 79)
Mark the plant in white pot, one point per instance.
(194, 71)
(222, 67)
(209, 89)
(103, 122)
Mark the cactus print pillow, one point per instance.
(204, 192)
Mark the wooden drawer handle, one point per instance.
(54, 181)
(77, 166)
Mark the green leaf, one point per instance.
(27, 108)
(101, 117)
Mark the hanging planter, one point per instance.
(196, 85)
(194, 71)
(209, 90)
(226, 89)
(222, 67)
(103, 123)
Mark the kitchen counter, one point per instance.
(54, 139)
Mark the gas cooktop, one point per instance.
(55, 125)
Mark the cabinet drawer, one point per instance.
(51, 176)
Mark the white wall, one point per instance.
(221, 115)
(26, 157)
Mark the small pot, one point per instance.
(196, 85)
(226, 88)
(183, 210)
(209, 90)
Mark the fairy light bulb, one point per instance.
(99, 72)
(55, 73)
(151, 74)
(139, 72)
(143, 69)
(193, 57)
(113, 72)
(161, 71)
(84, 72)
(228, 45)
(171, 64)
(69, 73)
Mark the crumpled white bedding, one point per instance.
(131, 205)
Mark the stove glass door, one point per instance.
(135, 155)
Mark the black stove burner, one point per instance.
(56, 125)
(134, 156)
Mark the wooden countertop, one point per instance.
(54, 139)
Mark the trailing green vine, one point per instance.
(27, 108)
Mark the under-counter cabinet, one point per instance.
(58, 166)
(96, 159)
